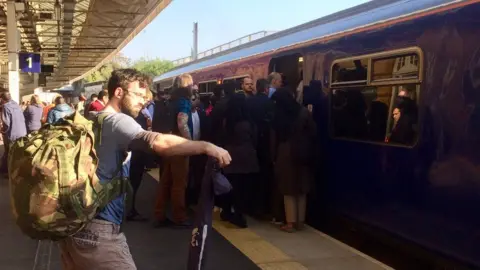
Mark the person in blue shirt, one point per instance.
(102, 244)
(60, 110)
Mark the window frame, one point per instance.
(234, 78)
(418, 82)
(206, 83)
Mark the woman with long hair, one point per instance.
(293, 151)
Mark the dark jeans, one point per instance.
(263, 191)
(4, 165)
(239, 198)
(196, 171)
(137, 168)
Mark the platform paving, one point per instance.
(152, 249)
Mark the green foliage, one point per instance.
(152, 67)
(103, 73)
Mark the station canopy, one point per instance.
(75, 36)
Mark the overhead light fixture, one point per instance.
(58, 10)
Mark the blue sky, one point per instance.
(169, 36)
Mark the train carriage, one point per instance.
(425, 190)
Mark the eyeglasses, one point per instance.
(138, 94)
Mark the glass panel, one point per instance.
(350, 71)
(396, 67)
(202, 88)
(378, 114)
(211, 86)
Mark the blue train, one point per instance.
(418, 178)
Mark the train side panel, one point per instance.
(256, 68)
(428, 193)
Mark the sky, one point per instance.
(169, 36)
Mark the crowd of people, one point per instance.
(267, 131)
(264, 126)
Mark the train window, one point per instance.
(350, 72)
(207, 87)
(211, 85)
(383, 109)
(403, 67)
(202, 87)
(376, 114)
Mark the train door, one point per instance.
(290, 67)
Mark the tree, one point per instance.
(103, 73)
(153, 67)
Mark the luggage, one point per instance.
(54, 188)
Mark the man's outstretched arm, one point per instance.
(171, 145)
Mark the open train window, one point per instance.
(290, 67)
(380, 103)
(207, 86)
(350, 71)
(396, 67)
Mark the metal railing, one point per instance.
(224, 47)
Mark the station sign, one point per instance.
(29, 62)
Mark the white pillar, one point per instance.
(13, 40)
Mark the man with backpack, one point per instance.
(101, 244)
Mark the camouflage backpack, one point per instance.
(54, 188)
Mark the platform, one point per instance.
(261, 246)
(272, 249)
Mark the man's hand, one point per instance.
(219, 153)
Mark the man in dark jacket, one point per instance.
(197, 163)
(261, 109)
(13, 123)
(162, 119)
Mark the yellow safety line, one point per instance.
(261, 252)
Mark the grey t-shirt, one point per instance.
(118, 131)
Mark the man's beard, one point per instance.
(128, 109)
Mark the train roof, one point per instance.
(366, 14)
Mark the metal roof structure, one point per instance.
(370, 13)
(75, 36)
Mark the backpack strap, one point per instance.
(119, 184)
(98, 125)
